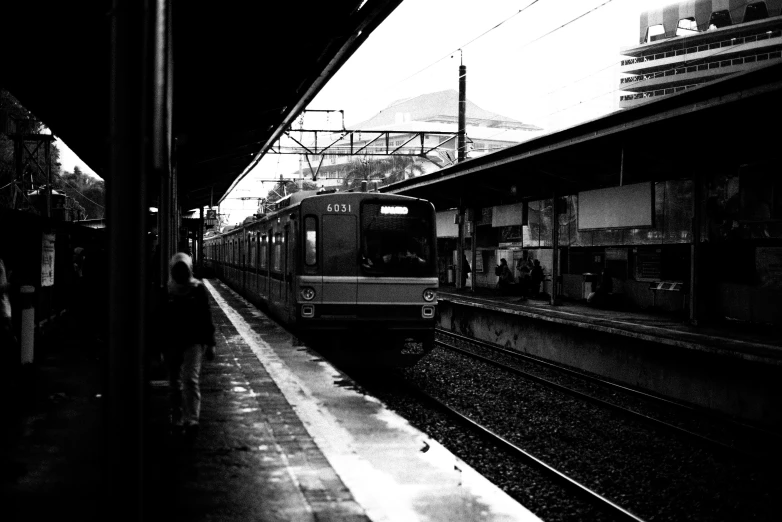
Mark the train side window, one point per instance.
(310, 241)
(264, 248)
(277, 240)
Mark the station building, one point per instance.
(679, 199)
(689, 43)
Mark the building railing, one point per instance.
(702, 67)
(658, 92)
(705, 47)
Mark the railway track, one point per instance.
(562, 479)
(564, 457)
(747, 441)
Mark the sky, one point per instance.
(552, 63)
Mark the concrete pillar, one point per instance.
(555, 248)
(474, 241)
(695, 247)
(138, 32)
(27, 336)
(459, 247)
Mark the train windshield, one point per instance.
(397, 239)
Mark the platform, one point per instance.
(751, 343)
(731, 369)
(337, 449)
(284, 437)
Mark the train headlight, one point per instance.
(429, 295)
(307, 293)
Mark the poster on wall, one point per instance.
(47, 260)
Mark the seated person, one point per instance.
(505, 275)
(602, 290)
(536, 278)
(524, 278)
(366, 262)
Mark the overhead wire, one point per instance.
(605, 93)
(582, 15)
(684, 45)
(471, 41)
(79, 192)
(678, 66)
(496, 26)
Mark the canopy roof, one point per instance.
(242, 72)
(713, 128)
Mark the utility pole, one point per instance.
(460, 157)
(462, 111)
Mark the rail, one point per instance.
(755, 450)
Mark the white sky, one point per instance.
(552, 80)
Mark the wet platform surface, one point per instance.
(283, 437)
(750, 342)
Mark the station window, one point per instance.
(310, 241)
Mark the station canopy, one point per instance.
(242, 72)
(713, 128)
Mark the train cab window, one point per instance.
(310, 241)
(397, 240)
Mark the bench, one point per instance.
(666, 286)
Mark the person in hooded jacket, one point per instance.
(190, 338)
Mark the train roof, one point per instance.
(296, 198)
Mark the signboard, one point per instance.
(628, 206)
(47, 260)
(616, 254)
(478, 268)
(647, 265)
(507, 215)
(445, 224)
(211, 214)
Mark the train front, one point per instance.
(370, 266)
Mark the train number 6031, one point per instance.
(337, 207)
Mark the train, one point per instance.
(359, 265)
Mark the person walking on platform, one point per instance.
(8, 341)
(190, 337)
(536, 278)
(465, 270)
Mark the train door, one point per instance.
(340, 267)
(243, 261)
(257, 260)
(268, 287)
(288, 268)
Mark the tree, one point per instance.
(87, 191)
(15, 117)
(283, 188)
(385, 170)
